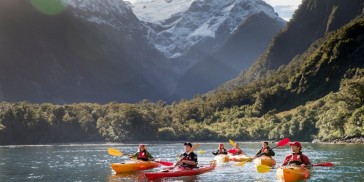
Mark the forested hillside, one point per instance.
(311, 21)
(318, 95)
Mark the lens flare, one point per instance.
(50, 7)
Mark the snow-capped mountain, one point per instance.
(182, 25)
(198, 37)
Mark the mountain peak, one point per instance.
(179, 25)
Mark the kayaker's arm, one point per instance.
(134, 155)
(258, 154)
(286, 160)
(150, 157)
(305, 160)
(188, 162)
(271, 152)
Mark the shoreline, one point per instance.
(345, 140)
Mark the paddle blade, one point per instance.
(240, 163)
(165, 163)
(194, 147)
(201, 152)
(263, 168)
(232, 142)
(283, 142)
(326, 164)
(114, 152)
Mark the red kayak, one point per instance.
(179, 171)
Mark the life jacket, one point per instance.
(222, 151)
(238, 152)
(296, 158)
(189, 157)
(143, 155)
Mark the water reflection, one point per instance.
(134, 176)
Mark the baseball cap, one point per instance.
(188, 143)
(295, 143)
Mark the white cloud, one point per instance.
(284, 8)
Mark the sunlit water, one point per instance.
(90, 162)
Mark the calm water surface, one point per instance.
(90, 162)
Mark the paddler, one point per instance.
(220, 150)
(296, 158)
(265, 151)
(142, 154)
(236, 150)
(187, 159)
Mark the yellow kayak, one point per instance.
(239, 158)
(221, 158)
(132, 166)
(292, 173)
(264, 160)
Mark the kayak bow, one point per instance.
(292, 173)
(179, 171)
(132, 166)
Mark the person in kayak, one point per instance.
(187, 159)
(264, 151)
(296, 158)
(220, 150)
(236, 150)
(142, 154)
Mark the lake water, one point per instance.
(90, 162)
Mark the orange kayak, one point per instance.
(292, 173)
(132, 166)
(239, 158)
(264, 160)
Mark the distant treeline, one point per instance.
(335, 116)
(319, 95)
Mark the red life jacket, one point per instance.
(142, 155)
(296, 158)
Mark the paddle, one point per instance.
(116, 152)
(165, 163)
(263, 168)
(282, 143)
(325, 164)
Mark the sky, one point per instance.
(284, 8)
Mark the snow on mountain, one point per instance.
(114, 13)
(180, 25)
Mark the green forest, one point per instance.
(319, 95)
